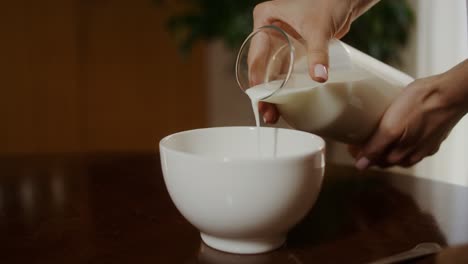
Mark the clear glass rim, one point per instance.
(291, 57)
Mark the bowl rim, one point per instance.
(320, 149)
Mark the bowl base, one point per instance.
(243, 246)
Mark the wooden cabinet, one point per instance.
(82, 75)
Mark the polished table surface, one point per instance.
(114, 208)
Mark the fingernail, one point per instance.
(320, 71)
(267, 117)
(363, 163)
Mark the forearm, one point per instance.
(454, 85)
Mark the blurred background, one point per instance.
(118, 75)
(86, 75)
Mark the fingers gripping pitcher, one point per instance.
(272, 67)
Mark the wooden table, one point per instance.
(114, 208)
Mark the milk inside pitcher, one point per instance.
(272, 66)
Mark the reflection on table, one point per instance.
(115, 208)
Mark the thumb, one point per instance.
(317, 52)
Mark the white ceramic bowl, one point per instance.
(243, 196)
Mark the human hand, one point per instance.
(317, 22)
(418, 121)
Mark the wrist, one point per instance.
(454, 86)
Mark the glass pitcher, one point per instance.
(272, 66)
